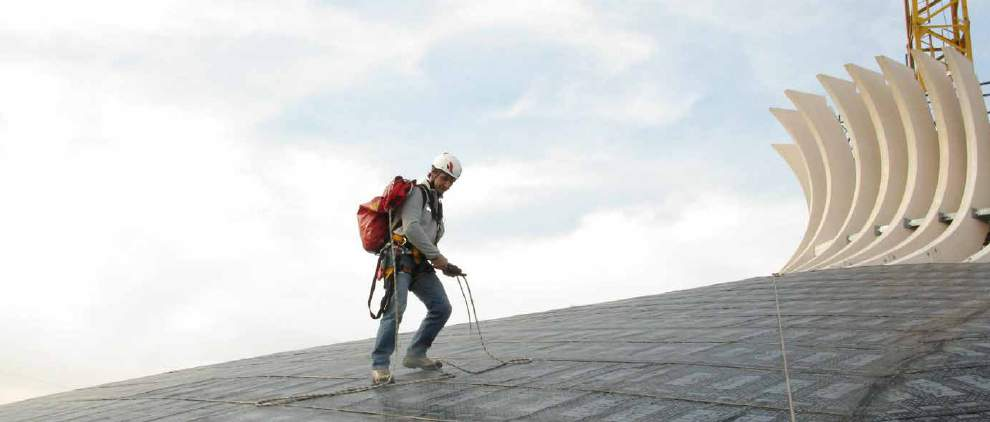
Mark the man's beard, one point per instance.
(430, 182)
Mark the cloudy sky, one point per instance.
(179, 179)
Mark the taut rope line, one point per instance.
(783, 351)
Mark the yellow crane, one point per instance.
(933, 25)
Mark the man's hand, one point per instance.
(439, 262)
(452, 271)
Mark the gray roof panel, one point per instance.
(874, 343)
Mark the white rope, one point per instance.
(477, 324)
(783, 350)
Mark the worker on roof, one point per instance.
(418, 231)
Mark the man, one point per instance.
(418, 232)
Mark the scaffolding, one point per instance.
(933, 25)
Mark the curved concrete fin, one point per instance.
(792, 155)
(893, 159)
(951, 158)
(984, 254)
(965, 236)
(795, 125)
(922, 161)
(839, 169)
(866, 157)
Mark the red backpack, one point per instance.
(373, 225)
(373, 215)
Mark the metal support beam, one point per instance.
(933, 25)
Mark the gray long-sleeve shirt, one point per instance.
(417, 224)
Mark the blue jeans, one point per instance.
(428, 289)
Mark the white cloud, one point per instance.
(148, 225)
(784, 44)
(609, 90)
(642, 103)
(651, 248)
(248, 58)
(255, 57)
(498, 186)
(570, 23)
(763, 17)
(139, 237)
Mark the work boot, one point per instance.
(381, 376)
(421, 362)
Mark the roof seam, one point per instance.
(644, 395)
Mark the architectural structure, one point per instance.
(910, 183)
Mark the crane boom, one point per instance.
(933, 25)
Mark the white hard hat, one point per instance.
(449, 164)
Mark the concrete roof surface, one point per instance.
(907, 342)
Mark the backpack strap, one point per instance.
(389, 291)
(436, 210)
(397, 221)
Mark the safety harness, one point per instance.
(398, 245)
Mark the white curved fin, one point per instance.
(839, 170)
(866, 158)
(795, 125)
(922, 162)
(964, 237)
(889, 132)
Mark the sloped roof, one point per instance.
(870, 343)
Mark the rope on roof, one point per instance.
(783, 350)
